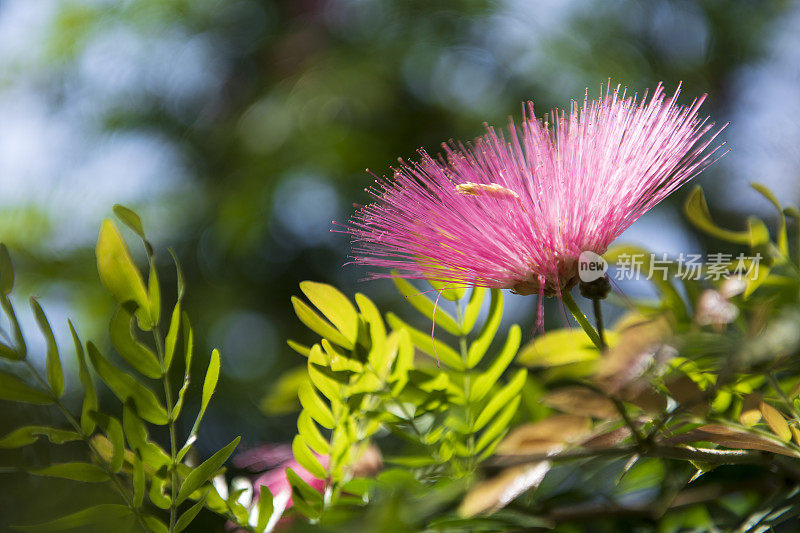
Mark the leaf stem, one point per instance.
(87, 439)
(598, 316)
(566, 297)
(173, 447)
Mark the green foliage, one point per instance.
(119, 451)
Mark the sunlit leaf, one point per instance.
(307, 428)
(486, 380)
(134, 352)
(265, 508)
(426, 306)
(113, 429)
(501, 399)
(129, 218)
(74, 471)
(315, 406)
(732, 438)
(154, 293)
(55, 375)
(423, 341)
(306, 499)
(561, 347)
(209, 386)
(205, 471)
(30, 434)
(179, 274)
(171, 340)
(305, 457)
(136, 434)
(138, 481)
(119, 273)
(335, 306)
(319, 325)
(480, 345)
(499, 425)
(188, 351)
(125, 387)
(473, 309)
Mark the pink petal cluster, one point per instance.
(515, 210)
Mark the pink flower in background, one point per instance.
(515, 212)
(273, 460)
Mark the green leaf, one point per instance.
(373, 317)
(89, 394)
(697, 212)
(6, 271)
(55, 375)
(302, 349)
(154, 293)
(486, 380)
(129, 218)
(179, 273)
(8, 352)
(205, 471)
(188, 346)
(265, 508)
(155, 525)
(13, 389)
(335, 306)
(30, 434)
(321, 380)
(452, 290)
(189, 515)
(171, 340)
(561, 347)
(319, 325)
(124, 340)
(501, 399)
(158, 487)
(425, 305)
(498, 426)
(783, 240)
(304, 456)
(113, 429)
(423, 341)
(209, 386)
(98, 514)
(307, 428)
(125, 387)
(74, 471)
(478, 348)
(136, 434)
(21, 349)
(138, 481)
(305, 498)
(473, 309)
(317, 409)
(119, 273)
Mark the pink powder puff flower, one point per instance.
(516, 212)
(273, 460)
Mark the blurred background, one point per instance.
(240, 129)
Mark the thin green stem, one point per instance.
(173, 447)
(462, 345)
(598, 316)
(88, 440)
(566, 297)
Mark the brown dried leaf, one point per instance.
(607, 439)
(731, 438)
(634, 353)
(688, 394)
(546, 436)
(581, 401)
(497, 492)
(776, 421)
(751, 413)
